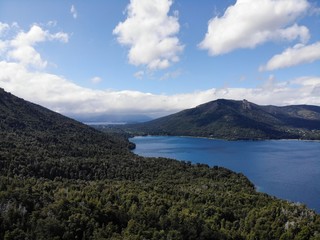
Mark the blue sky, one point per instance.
(161, 56)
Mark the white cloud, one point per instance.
(299, 54)
(307, 81)
(74, 12)
(64, 96)
(150, 33)
(96, 80)
(139, 74)
(22, 47)
(3, 27)
(249, 23)
(171, 75)
(27, 55)
(60, 94)
(52, 23)
(60, 36)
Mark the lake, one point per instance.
(287, 169)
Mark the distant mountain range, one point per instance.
(105, 119)
(235, 120)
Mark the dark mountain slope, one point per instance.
(51, 133)
(60, 179)
(39, 142)
(229, 119)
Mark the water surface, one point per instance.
(288, 169)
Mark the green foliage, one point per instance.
(209, 207)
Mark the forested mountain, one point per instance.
(230, 119)
(60, 179)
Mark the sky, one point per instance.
(157, 57)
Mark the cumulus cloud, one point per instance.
(299, 54)
(73, 12)
(150, 34)
(22, 47)
(250, 23)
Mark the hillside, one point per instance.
(60, 179)
(230, 119)
(29, 132)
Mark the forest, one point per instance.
(236, 120)
(60, 179)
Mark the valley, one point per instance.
(60, 179)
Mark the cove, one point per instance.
(287, 169)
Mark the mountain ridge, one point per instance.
(236, 120)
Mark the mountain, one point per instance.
(107, 119)
(230, 119)
(27, 127)
(60, 179)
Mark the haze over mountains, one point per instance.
(230, 119)
(60, 179)
(105, 119)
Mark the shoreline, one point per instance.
(253, 177)
(231, 140)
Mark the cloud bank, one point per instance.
(150, 34)
(61, 95)
(250, 23)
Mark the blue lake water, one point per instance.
(287, 169)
